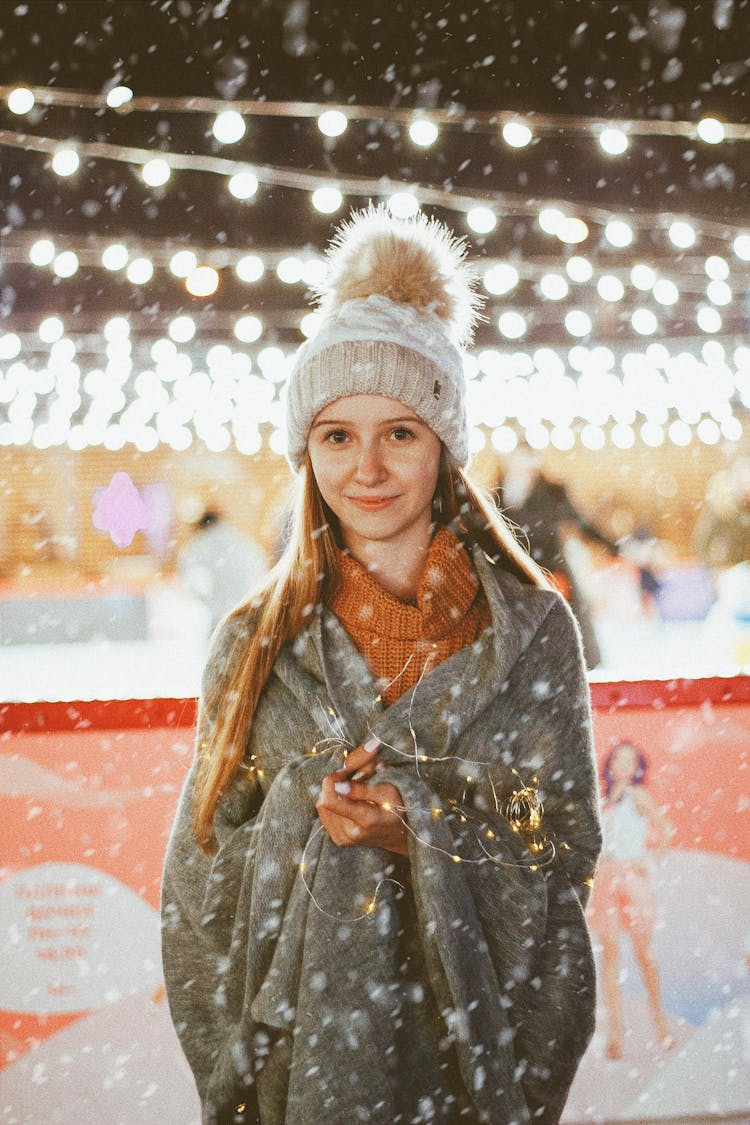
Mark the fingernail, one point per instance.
(342, 786)
(372, 745)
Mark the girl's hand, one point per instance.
(362, 762)
(361, 811)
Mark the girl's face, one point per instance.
(624, 763)
(376, 465)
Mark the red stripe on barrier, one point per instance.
(671, 693)
(129, 714)
(98, 714)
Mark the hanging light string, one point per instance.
(453, 115)
(90, 247)
(521, 809)
(505, 203)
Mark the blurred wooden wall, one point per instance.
(46, 497)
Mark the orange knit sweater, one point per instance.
(401, 641)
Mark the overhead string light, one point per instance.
(228, 127)
(613, 141)
(479, 208)
(560, 218)
(202, 271)
(177, 389)
(423, 132)
(516, 131)
(65, 162)
(517, 134)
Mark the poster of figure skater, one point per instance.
(623, 901)
(668, 909)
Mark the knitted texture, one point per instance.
(253, 950)
(400, 641)
(372, 347)
(401, 283)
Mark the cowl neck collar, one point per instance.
(323, 663)
(445, 594)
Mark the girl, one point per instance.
(624, 898)
(373, 893)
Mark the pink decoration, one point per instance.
(121, 511)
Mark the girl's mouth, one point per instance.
(372, 504)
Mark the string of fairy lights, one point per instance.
(217, 377)
(520, 808)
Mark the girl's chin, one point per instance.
(380, 527)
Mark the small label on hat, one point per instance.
(436, 390)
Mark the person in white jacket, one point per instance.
(220, 565)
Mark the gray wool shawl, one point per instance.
(276, 934)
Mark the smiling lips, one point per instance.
(372, 503)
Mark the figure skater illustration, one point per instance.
(623, 900)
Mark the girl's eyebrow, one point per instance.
(386, 422)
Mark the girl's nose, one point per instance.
(370, 468)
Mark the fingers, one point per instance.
(332, 812)
(353, 809)
(375, 828)
(385, 796)
(363, 758)
(355, 790)
(341, 795)
(357, 813)
(341, 831)
(363, 774)
(350, 799)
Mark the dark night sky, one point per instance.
(667, 60)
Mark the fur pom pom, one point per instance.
(416, 262)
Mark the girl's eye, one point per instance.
(402, 434)
(336, 437)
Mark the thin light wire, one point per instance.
(412, 732)
(540, 860)
(505, 203)
(474, 120)
(542, 848)
(370, 907)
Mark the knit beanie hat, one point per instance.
(397, 307)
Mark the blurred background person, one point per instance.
(722, 532)
(219, 565)
(623, 898)
(722, 540)
(546, 517)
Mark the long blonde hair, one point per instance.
(304, 576)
